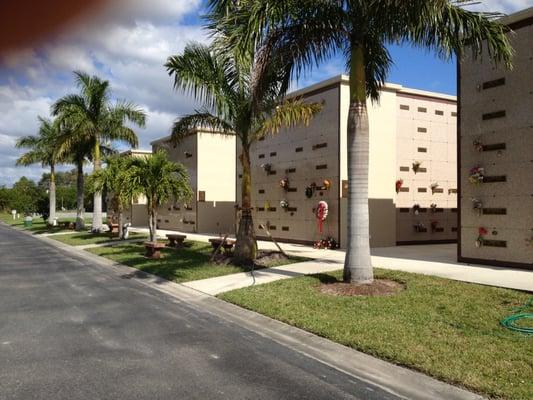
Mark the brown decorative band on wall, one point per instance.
(494, 147)
(494, 243)
(290, 170)
(284, 228)
(438, 190)
(454, 114)
(299, 149)
(422, 109)
(404, 189)
(292, 209)
(453, 210)
(319, 146)
(450, 191)
(404, 210)
(422, 190)
(439, 230)
(439, 112)
(422, 130)
(404, 107)
(422, 170)
(422, 150)
(494, 83)
(454, 229)
(273, 154)
(261, 156)
(293, 189)
(167, 221)
(322, 166)
(272, 227)
(495, 211)
(261, 191)
(188, 208)
(497, 178)
(272, 173)
(240, 176)
(272, 209)
(404, 169)
(260, 208)
(493, 115)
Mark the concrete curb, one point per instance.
(394, 379)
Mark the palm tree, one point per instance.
(239, 99)
(160, 180)
(93, 119)
(306, 32)
(43, 150)
(116, 178)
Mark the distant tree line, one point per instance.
(28, 197)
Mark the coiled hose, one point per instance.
(510, 321)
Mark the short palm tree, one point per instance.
(239, 99)
(43, 150)
(116, 179)
(306, 32)
(159, 180)
(93, 119)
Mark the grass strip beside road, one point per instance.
(450, 330)
(189, 263)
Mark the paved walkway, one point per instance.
(436, 260)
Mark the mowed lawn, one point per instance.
(39, 225)
(189, 263)
(450, 330)
(83, 238)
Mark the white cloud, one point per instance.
(127, 44)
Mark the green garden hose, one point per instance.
(510, 321)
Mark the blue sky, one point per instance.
(128, 44)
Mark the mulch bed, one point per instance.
(379, 287)
(263, 260)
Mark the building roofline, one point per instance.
(194, 131)
(345, 80)
(135, 151)
(518, 16)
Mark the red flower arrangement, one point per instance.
(399, 184)
(481, 236)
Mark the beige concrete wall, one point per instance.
(181, 216)
(216, 217)
(216, 166)
(427, 133)
(515, 130)
(310, 165)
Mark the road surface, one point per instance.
(70, 329)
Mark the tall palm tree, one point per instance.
(43, 150)
(93, 119)
(159, 180)
(239, 99)
(306, 32)
(116, 179)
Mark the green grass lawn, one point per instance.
(179, 265)
(447, 329)
(38, 224)
(82, 238)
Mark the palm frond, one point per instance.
(187, 125)
(288, 114)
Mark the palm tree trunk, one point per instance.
(357, 264)
(97, 199)
(52, 194)
(120, 223)
(246, 245)
(80, 219)
(153, 222)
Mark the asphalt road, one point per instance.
(73, 330)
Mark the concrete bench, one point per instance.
(175, 240)
(113, 229)
(153, 249)
(227, 246)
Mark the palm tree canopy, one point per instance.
(158, 179)
(232, 103)
(115, 178)
(92, 117)
(43, 147)
(302, 33)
